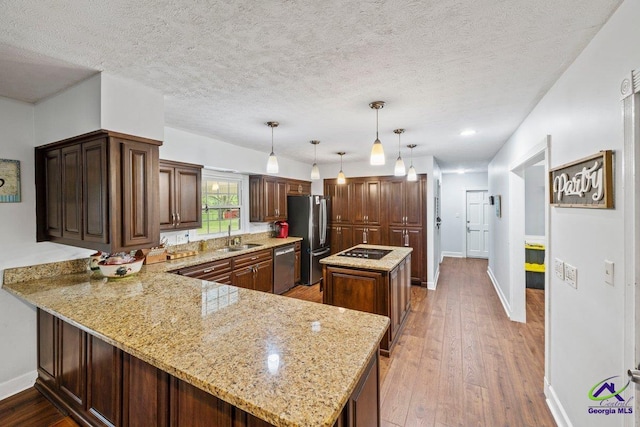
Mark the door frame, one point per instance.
(630, 89)
(464, 219)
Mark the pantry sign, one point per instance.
(586, 183)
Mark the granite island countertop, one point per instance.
(287, 361)
(387, 263)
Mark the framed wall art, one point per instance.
(9, 181)
(585, 183)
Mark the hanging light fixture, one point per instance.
(377, 151)
(411, 175)
(399, 169)
(272, 164)
(315, 172)
(341, 178)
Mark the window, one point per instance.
(221, 204)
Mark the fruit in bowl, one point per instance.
(120, 265)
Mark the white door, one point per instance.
(477, 224)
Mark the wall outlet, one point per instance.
(571, 275)
(558, 268)
(182, 238)
(608, 272)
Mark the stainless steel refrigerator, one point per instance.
(307, 218)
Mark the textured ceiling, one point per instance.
(227, 67)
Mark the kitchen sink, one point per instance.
(243, 247)
(224, 250)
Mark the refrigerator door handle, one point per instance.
(323, 221)
(322, 252)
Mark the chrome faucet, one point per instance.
(229, 242)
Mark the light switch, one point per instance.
(558, 268)
(571, 275)
(608, 272)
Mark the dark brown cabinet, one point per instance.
(98, 191)
(339, 198)
(71, 363)
(367, 235)
(365, 201)
(298, 188)
(414, 238)
(405, 202)
(214, 271)
(341, 237)
(145, 394)
(254, 271)
(104, 368)
(267, 198)
(180, 195)
(378, 292)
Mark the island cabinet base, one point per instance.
(100, 385)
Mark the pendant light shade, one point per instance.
(377, 151)
(272, 163)
(411, 174)
(399, 169)
(341, 178)
(315, 171)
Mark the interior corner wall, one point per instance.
(453, 199)
(434, 251)
(18, 248)
(583, 114)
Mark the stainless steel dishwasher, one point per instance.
(284, 260)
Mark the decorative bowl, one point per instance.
(122, 269)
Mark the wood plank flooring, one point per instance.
(458, 362)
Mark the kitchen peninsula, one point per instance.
(163, 349)
(371, 278)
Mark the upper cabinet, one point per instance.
(405, 201)
(339, 198)
(180, 195)
(365, 201)
(98, 191)
(268, 196)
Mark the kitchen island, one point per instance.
(162, 349)
(357, 279)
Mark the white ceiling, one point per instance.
(227, 67)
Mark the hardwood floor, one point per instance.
(458, 362)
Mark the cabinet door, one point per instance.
(192, 407)
(71, 158)
(395, 202)
(140, 218)
(243, 277)
(188, 194)
(104, 368)
(263, 278)
(367, 235)
(396, 237)
(413, 202)
(395, 302)
(52, 209)
(270, 189)
(365, 400)
(355, 289)
(341, 238)
(406, 286)
(167, 197)
(358, 206)
(145, 394)
(339, 199)
(373, 202)
(47, 337)
(95, 207)
(416, 241)
(281, 200)
(71, 364)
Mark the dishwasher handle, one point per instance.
(284, 251)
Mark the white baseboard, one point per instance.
(556, 408)
(503, 299)
(452, 254)
(433, 285)
(16, 385)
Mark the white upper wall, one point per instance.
(453, 199)
(534, 200)
(583, 114)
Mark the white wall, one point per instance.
(18, 247)
(582, 113)
(454, 187)
(534, 200)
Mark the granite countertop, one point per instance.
(214, 255)
(287, 361)
(387, 263)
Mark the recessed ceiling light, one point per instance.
(461, 171)
(467, 132)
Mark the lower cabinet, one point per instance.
(367, 235)
(109, 387)
(254, 271)
(378, 292)
(340, 237)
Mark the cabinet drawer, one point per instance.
(207, 270)
(252, 258)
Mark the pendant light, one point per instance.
(272, 164)
(315, 172)
(411, 175)
(377, 151)
(399, 169)
(341, 178)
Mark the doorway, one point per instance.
(477, 223)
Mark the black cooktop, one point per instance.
(366, 253)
